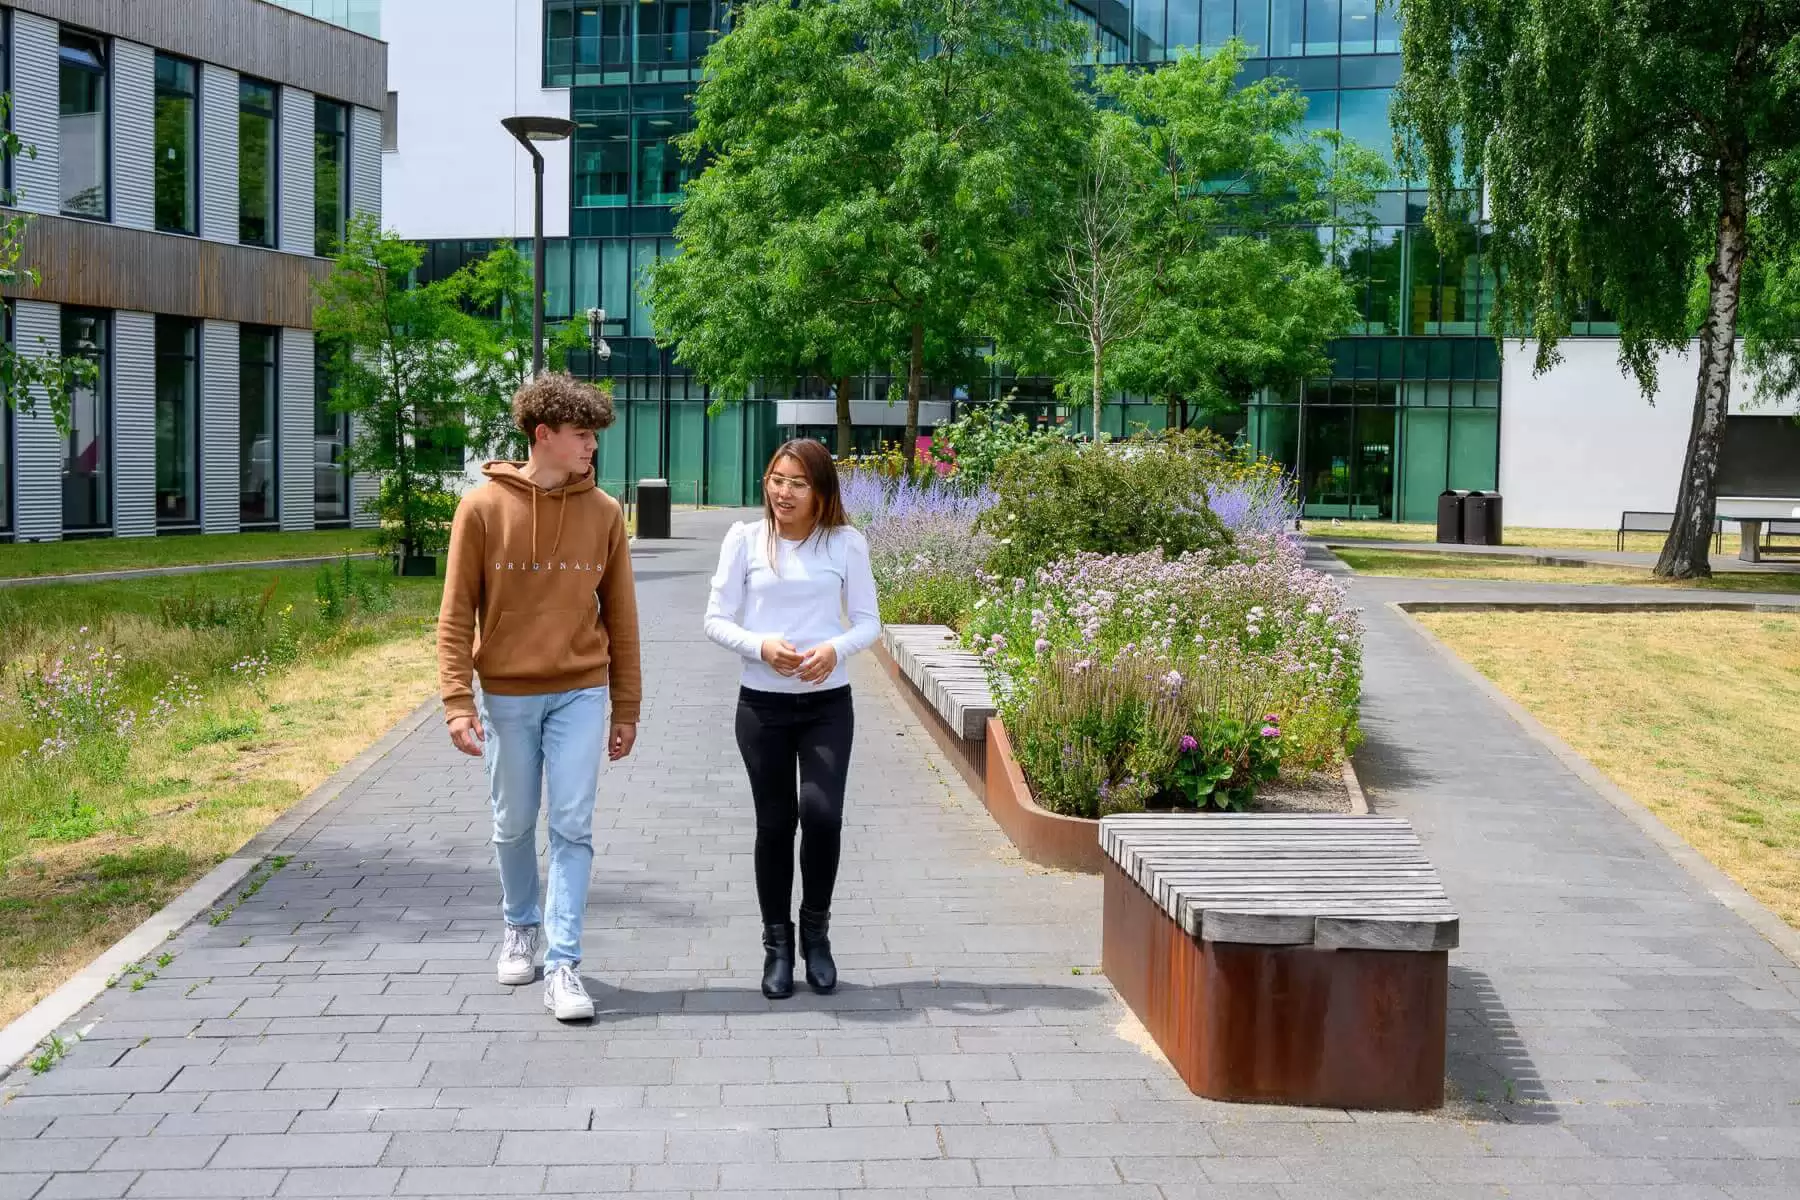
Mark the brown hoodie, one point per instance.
(546, 575)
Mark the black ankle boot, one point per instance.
(778, 961)
(815, 948)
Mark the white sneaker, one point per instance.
(518, 955)
(564, 995)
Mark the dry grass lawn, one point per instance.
(1695, 715)
(1422, 564)
(195, 793)
(1555, 539)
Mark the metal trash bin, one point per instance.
(1481, 519)
(653, 508)
(1450, 517)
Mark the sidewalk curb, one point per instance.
(27, 1031)
(1719, 885)
(126, 574)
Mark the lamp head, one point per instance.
(539, 129)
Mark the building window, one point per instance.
(177, 179)
(259, 459)
(177, 422)
(390, 123)
(82, 128)
(331, 135)
(87, 469)
(331, 441)
(258, 150)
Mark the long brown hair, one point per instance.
(821, 476)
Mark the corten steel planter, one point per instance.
(1042, 837)
(1298, 1025)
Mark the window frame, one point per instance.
(105, 413)
(191, 356)
(271, 368)
(103, 54)
(341, 136)
(273, 240)
(196, 153)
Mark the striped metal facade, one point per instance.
(133, 135)
(134, 424)
(220, 466)
(297, 456)
(218, 153)
(37, 448)
(35, 99)
(365, 162)
(296, 166)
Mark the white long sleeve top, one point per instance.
(804, 601)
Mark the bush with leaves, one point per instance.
(1124, 497)
(985, 435)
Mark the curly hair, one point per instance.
(557, 399)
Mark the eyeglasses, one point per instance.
(780, 482)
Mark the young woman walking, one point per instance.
(779, 598)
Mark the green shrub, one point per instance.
(984, 436)
(1106, 498)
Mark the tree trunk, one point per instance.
(915, 384)
(846, 435)
(1685, 553)
(1099, 385)
(1169, 411)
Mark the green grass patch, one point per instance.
(124, 554)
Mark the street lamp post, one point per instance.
(529, 130)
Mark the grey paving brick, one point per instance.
(180, 1185)
(302, 1150)
(515, 1180)
(838, 1145)
(83, 1185)
(340, 1181)
(464, 1148)
(158, 1153)
(581, 1148)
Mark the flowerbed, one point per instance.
(1152, 632)
(1127, 680)
(926, 556)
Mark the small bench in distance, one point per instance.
(1287, 959)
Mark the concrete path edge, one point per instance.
(126, 574)
(1718, 884)
(29, 1030)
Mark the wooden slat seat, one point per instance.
(951, 679)
(1294, 958)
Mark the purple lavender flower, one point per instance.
(1188, 744)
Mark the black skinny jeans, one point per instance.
(783, 737)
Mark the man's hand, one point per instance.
(467, 735)
(819, 663)
(782, 655)
(624, 737)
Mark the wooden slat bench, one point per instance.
(948, 687)
(1294, 959)
(1632, 521)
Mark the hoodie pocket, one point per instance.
(547, 644)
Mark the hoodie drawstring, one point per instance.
(561, 511)
(534, 496)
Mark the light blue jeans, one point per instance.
(537, 744)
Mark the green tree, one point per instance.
(24, 376)
(497, 290)
(401, 362)
(872, 167)
(1242, 295)
(1624, 149)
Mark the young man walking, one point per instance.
(539, 603)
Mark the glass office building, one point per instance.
(1412, 401)
(360, 16)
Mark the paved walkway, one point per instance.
(1615, 1032)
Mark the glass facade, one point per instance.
(177, 144)
(177, 422)
(82, 126)
(258, 145)
(331, 175)
(87, 467)
(362, 16)
(1411, 404)
(259, 458)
